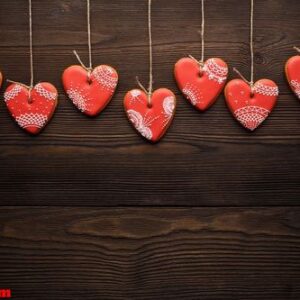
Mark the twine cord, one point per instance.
(150, 85)
(80, 61)
(202, 32)
(150, 88)
(242, 76)
(202, 37)
(296, 48)
(19, 83)
(31, 45)
(251, 42)
(89, 32)
(90, 67)
(140, 85)
(201, 64)
(30, 86)
(251, 82)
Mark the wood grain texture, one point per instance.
(50, 249)
(205, 159)
(207, 253)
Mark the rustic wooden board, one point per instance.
(207, 253)
(50, 248)
(205, 159)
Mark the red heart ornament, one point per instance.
(151, 122)
(90, 93)
(292, 71)
(251, 110)
(33, 109)
(201, 85)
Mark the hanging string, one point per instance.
(150, 89)
(242, 76)
(90, 67)
(251, 42)
(89, 32)
(150, 86)
(30, 86)
(79, 60)
(251, 82)
(19, 83)
(202, 37)
(296, 48)
(202, 32)
(31, 47)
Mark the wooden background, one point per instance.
(89, 210)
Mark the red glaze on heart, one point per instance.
(251, 111)
(31, 110)
(90, 94)
(292, 71)
(201, 85)
(151, 122)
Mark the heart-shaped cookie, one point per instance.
(33, 109)
(292, 71)
(1, 79)
(201, 85)
(90, 93)
(251, 109)
(151, 122)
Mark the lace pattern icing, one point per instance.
(296, 86)
(44, 93)
(215, 71)
(32, 120)
(192, 93)
(104, 76)
(265, 90)
(14, 92)
(251, 116)
(77, 99)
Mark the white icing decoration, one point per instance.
(140, 124)
(191, 92)
(215, 71)
(135, 96)
(44, 93)
(169, 106)
(251, 116)
(31, 119)
(77, 99)
(266, 90)
(13, 93)
(296, 85)
(104, 76)
(135, 93)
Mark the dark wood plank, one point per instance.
(204, 170)
(205, 159)
(212, 253)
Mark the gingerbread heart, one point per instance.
(1, 79)
(33, 109)
(90, 93)
(251, 109)
(292, 71)
(151, 122)
(201, 85)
